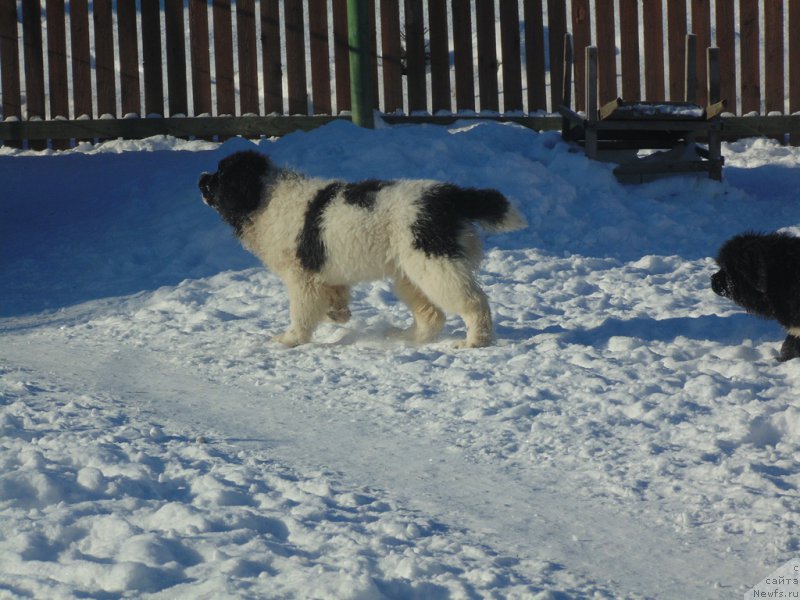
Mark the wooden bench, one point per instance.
(669, 132)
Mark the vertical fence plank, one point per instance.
(726, 40)
(57, 64)
(487, 55)
(341, 55)
(57, 58)
(248, 63)
(9, 60)
(296, 57)
(701, 27)
(511, 59)
(794, 62)
(177, 94)
(320, 62)
(590, 83)
(653, 50)
(606, 51)
(34, 64)
(774, 96)
(81, 65)
(676, 42)
(690, 69)
(629, 41)
(440, 56)
(751, 73)
(462, 50)
(223, 57)
(390, 52)
(581, 38)
(34, 59)
(534, 55)
(271, 57)
(9, 65)
(373, 54)
(415, 56)
(104, 58)
(557, 27)
(151, 58)
(128, 57)
(569, 61)
(712, 63)
(201, 60)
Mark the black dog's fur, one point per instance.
(761, 273)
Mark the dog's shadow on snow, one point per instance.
(729, 330)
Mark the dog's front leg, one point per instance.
(307, 306)
(790, 348)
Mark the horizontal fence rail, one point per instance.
(140, 62)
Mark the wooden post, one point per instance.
(360, 83)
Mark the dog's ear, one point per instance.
(240, 177)
(743, 258)
(750, 270)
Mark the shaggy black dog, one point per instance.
(761, 273)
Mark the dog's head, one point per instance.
(742, 275)
(236, 189)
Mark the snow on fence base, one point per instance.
(16, 132)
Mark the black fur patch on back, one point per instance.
(364, 193)
(310, 247)
(445, 210)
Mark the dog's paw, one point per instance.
(479, 343)
(289, 339)
(339, 315)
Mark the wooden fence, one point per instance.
(77, 70)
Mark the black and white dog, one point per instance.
(761, 273)
(322, 236)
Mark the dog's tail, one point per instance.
(487, 207)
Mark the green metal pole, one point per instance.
(360, 74)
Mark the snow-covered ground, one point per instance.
(630, 435)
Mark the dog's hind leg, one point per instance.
(308, 304)
(452, 286)
(477, 317)
(428, 319)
